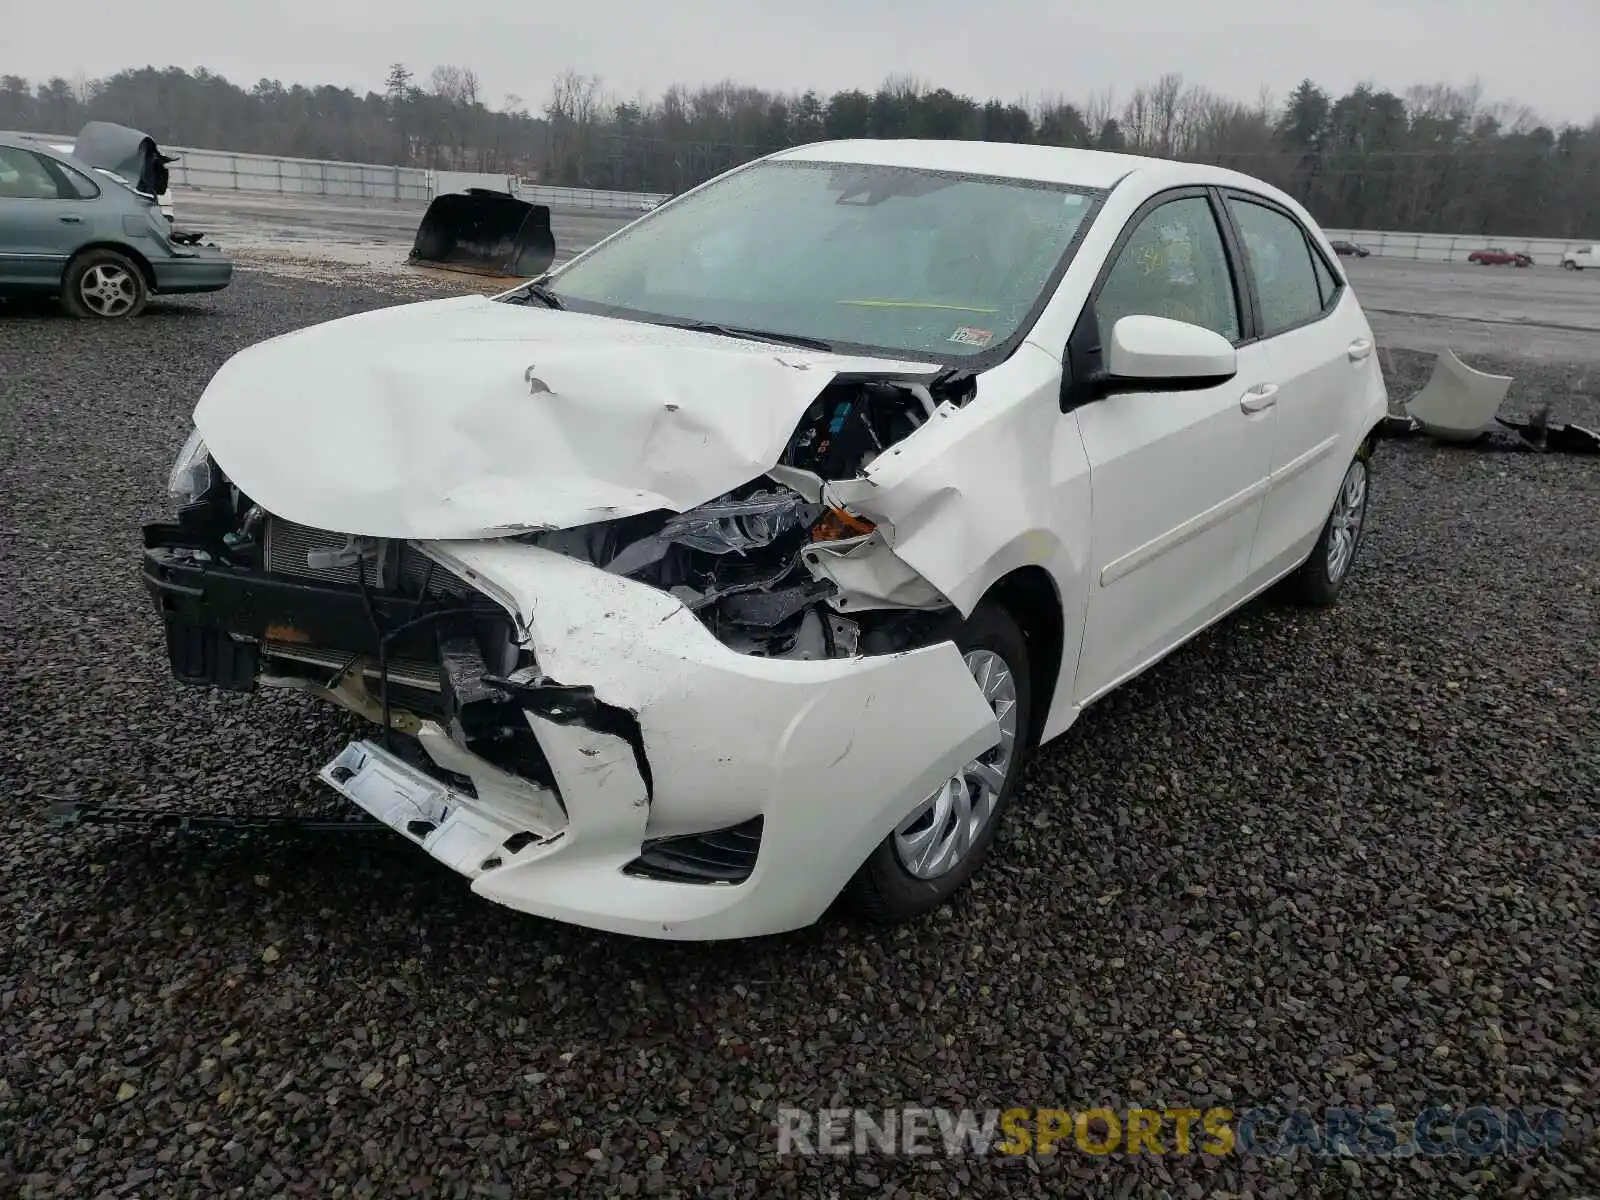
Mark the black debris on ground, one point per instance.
(1316, 858)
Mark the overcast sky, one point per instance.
(1540, 52)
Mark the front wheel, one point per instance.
(103, 284)
(936, 849)
(1320, 579)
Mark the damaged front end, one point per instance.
(370, 624)
(617, 724)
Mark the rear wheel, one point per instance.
(103, 284)
(1320, 579)
(932, 853)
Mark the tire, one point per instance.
(103, 285)
(885, 890)
(1321, 578)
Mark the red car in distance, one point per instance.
(1496, 257)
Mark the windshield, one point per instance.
(887, 259)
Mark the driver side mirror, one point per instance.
(1157, 353)
(1143, 354)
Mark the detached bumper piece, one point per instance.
(451, 825)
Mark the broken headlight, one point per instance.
(733, 526)
(191, 473)
(729, 525)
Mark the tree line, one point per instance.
(1433, 159)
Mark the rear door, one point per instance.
(1176, 477)
(1318, 344)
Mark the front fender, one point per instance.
(984, 490)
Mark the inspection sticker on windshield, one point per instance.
(968, 336)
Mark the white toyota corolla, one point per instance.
(740, 564)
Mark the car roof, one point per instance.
(38, 145)
(1044, 164)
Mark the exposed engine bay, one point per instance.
(751, 563)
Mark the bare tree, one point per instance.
(455, 85)
(573, 110)
(1100, 109)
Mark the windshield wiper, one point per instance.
(536, 291)
(750, 335)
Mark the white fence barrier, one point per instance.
(442, 182)
(214, 170)
(1451, 247)
(536, 193)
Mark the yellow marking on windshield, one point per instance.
(916, 304)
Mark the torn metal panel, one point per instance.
(464, 418)
(507, 798)
(1458, 401)
(126, 152)
(870, 576)
(610, 814)
(802, 482)
(999, 484)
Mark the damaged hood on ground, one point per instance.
(468, 418)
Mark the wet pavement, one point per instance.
(1540, 312)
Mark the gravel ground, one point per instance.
(1331, 858)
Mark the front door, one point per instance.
(1177, 477)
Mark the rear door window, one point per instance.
(1281, 261)
(82, 186)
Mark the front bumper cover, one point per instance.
(828, 755)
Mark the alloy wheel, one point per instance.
(108, 290)
(937, 838)
(1349, 510)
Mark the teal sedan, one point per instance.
(88, 236)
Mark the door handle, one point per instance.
(1359, 349)
(70, 220)
(1260, 397)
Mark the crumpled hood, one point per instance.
(466, 418)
